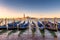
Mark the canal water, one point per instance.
(27, 35)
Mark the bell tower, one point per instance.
(24, 15)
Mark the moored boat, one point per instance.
(23, 25)
(50, 26)
(12, 26)
(41, 28)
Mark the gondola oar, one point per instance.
(33, 28)
(23, 27)
(41, 28)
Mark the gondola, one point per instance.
(23, 25)
(13, 26)
(14, 29)
(3, 27)
(10, 26)
(41, 28)
(33, 28)
(40, 25)
(50, 26)
(33, 25)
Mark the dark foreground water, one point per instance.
(25, 37)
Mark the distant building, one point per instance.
(24, 16)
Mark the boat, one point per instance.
(33, 25)
(23, 25)
(33, 28)
(40, 25)
(3, 27)
(12, 26)
(41, 28)
(50, 26)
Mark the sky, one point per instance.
(32, 8)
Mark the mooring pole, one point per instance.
(1, 21)
(55, 24)
(6, 23)
(13, 22)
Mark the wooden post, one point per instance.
(45, 21)
(55, 23)
(6, 23)
(1, 21)
(13, 22)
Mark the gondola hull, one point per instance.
(50, 26)
(11, 26)
(51, 29)
(58, 26)
(23, 26)
(3, 27)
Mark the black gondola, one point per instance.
(23, 25)
(3, 27)
(40, 25)
(50, 26)
(12, 26)
(41, 28)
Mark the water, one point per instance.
(28, 34)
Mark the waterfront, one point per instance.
(27, 35)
